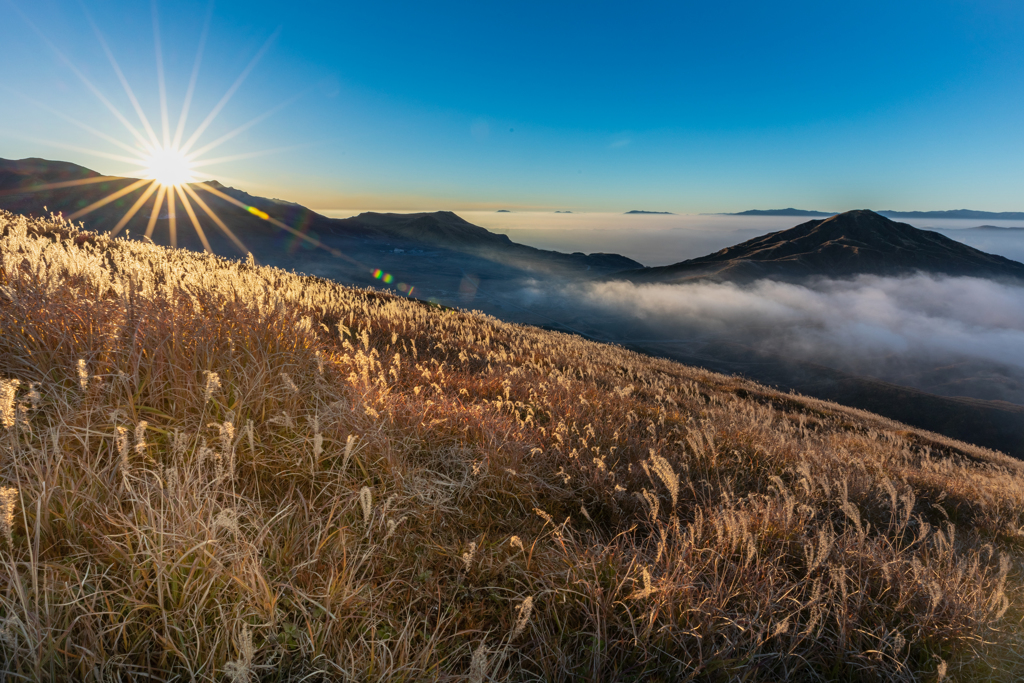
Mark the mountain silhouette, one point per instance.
(34, 172)
(957, 214)
(26, 186)
(782, 212)
(847, 244)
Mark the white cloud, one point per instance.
(841, 322)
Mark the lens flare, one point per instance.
(169, 167)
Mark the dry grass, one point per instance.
(218, 471)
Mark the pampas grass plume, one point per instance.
(140, 437)
(212, 385)
(478, 665)
(83, 375)
(8, 497)
(467, 557)
(349, 443)
(366, 502)
(240, 670)
(8, 389)
(524, 610)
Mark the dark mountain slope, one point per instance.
(851, 243)
(25, 188)
(27, 173)
(993, 424)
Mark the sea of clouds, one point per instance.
(884, 327)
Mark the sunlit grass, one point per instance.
(212, 470)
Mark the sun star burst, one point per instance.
(166, 165)
(169, 167)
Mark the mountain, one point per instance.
(781, 212)
(955, 213)
(659, 213)
(441, 228)
(851, 243)
(958, 213)
(436, 251)
(34, 172)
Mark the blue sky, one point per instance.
(675, 106)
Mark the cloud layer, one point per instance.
(845, 323)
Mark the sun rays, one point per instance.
(166, 158)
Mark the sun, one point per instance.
(165, 162)
(168, 167)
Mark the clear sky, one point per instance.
(670, 106)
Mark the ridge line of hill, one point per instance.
(851, 243)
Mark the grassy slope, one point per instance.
(374, 489)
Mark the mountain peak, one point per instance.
(847, 244)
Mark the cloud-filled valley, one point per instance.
(891, 328)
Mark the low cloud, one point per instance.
(950, 335)
(840, 322)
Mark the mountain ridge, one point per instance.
(24, 188)
(891, 213)
(847, 244)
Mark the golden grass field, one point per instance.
(213, 470)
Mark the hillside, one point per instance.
(851, 243)
(218, 470)
(33, 172)
(277, 231)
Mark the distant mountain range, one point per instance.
(846, 244)
(660, 213)
(780, 212)
(39, 186)
(955, 213)
(840, 245)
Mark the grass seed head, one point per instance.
(140, 437)
(226, 519)
(467, 557)
(8, 390)
(523, 611)
(240, 670)
(121, 438)
(350, 442)
(212, 385)
(667, 475)
(289, 383)
(8, 497)
(478, 664)
(366, 502)
(83, 375)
